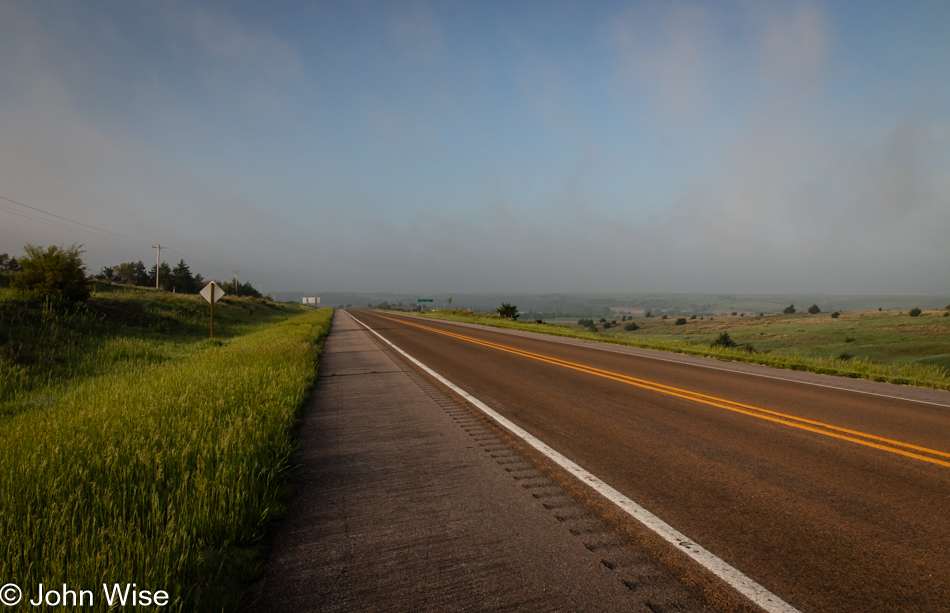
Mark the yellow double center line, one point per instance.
(868, 440)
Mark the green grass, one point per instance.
(137, 450)
(887, 345)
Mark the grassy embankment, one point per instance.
(134, 449)
(882, 346)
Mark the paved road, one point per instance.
(832, 499)
(409, 500)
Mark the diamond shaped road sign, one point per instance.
(207, 293)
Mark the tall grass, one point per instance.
(920, 375)
(160, 468)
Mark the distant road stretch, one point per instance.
(830, 499)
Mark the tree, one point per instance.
(246, 289)
(630, 327)
(164, 277)
(130, 273)
(680, 322)
(789, 309)
(914, 312)
(182, 280)
(814, 310)
(8, 264)
(54, 271)
(508, 311)
(724, 340)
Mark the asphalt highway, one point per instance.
(833, 500)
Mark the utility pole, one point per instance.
(158, 258)
(235, 282)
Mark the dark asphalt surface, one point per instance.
(824, 523)
(409, 500)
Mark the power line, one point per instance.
(78, 223)
(93, 231)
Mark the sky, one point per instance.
(531, 147)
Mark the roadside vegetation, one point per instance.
(137, 450)
(902, 347)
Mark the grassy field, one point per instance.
(887, 346)
(136, 450)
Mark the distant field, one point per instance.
(879, 345)
(136, 450)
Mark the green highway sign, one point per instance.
(424, 300)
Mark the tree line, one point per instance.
(178, 279)
(61, 271)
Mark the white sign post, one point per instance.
(212, 292)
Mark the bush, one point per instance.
(508, 311)
(724, 340)
(602, 320)
(648, 314)
(914, 312)
(664, 317)
(845, 356)
(814, 310)
(607, 324)
(630, 327)
(835, 315)
(693, 317)
(681, 321)
(789, 309)
(585, 323)
(55, 271)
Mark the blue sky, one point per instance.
(488, 146)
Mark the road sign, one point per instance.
(212, 292)
(425, 300)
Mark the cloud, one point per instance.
(665, 54)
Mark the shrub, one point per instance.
(664, 317)
(723, 340)
(814, 310)
(607, 324)
(630, 327)
(681, 321)
(789, 309)
(648, 314)
(914, 312)
(602, 320)
(849, 339)
(693, 317)
(613, 322)
(845, 356)
(835, 315)
(55, 271)
(734, 313)
(946, 313)
(508, 311)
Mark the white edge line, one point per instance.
(597, 345)
(741, 583)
